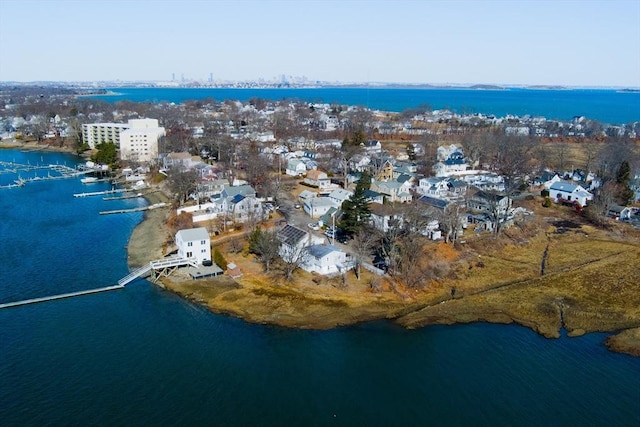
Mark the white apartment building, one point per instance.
(137, 140)
(99, 133)
(140, 141)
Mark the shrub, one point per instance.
(529, 197)
(547, 202)
(218, 258)
(544, 193)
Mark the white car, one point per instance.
(314, 226)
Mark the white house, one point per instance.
(569, 192)
(326, 259)
(316, 207)
(194, 243)
(339, 195)
(296, 167)
(293, 242)
(318, 179)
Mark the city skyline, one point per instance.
(566, 43)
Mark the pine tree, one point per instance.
(355, 211)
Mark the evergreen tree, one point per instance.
(355, 211)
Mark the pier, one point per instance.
(60, 296)
(159, 268)
(140, 209)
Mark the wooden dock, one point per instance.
(140, 209)
(101, 193)
(61, 296)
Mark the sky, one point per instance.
(509, 42)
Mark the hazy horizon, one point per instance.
(459, 43)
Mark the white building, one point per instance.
(140, 141)
(569, 192)
(137, 139)
(326, 259)
(94, 134)
(194, 243)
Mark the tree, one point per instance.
(265, 245)
(451, 220)
(182, 183)
(363, 243)
(291, 258)
(355, 210)
(107, 154)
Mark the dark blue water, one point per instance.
(607, 106)
(142, 356)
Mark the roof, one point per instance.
(237, 198)
(380, 210)
(564, 186)
(434, 202)
(319, 251)
(193, 234)
(291, 235)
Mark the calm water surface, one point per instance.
(608, 106)
(142, 356)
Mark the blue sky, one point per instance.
(575, 43)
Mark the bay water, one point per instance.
(143, 356)
(604, 105)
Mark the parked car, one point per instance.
(314, 226)
(331, 233)
(297, 206)
(207, 262)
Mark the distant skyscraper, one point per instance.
(210, 77)
(173, 77)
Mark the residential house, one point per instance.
(339, 195)
(373, 196)
(194, 243)
(326, 259)
(621, 213)
(360, 162)
(316, 207)
(382, 217)
(563, 191)
(454, 165)
(318, 179)
(433, 187)
(385, 172)
(244, 208)
(296, 167)
(489, 202)
(293, 240)
(373, 146)
(394, 191)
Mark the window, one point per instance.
(190, 244)
(203, 242)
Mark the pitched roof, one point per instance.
(319, 251)
(434, 202)
(564, 186)
(291, 235)
(193, 234)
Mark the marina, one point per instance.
(53, 172)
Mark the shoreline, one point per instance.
(530, 301)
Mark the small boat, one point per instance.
(89, 180)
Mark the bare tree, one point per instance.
(265, 244)
(451, 220)
(363, 243)
(182, 183)
(291, 258)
